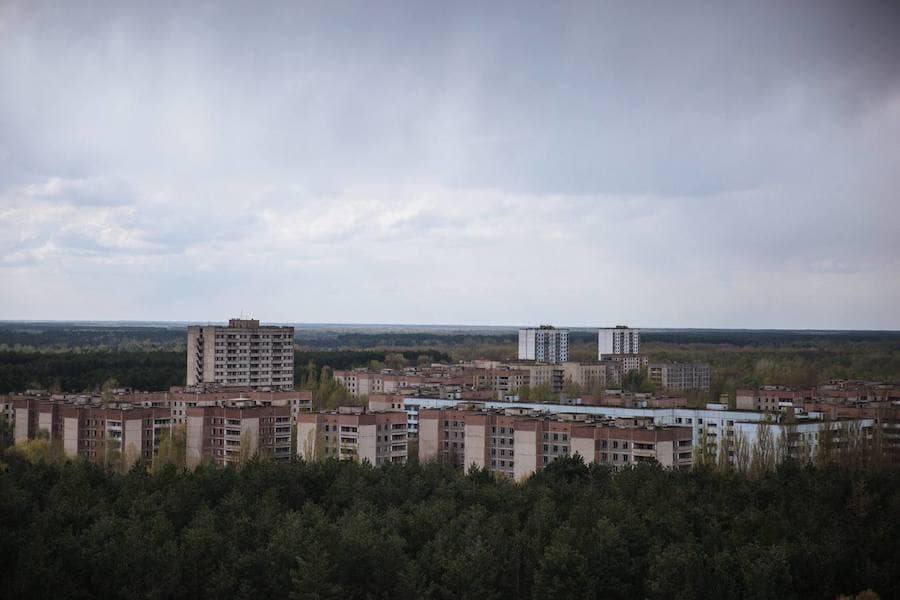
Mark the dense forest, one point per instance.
(160, 369)
(342, 530)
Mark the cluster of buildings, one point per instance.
(240, 402)
(516, 442)
(543, 362)
(220, 426)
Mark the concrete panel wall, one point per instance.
(194, 442)
(476, 446)
(21, 425)
(429, 442)
(307, 441)
(132, 441)
(70, 436)
(45, 422)
(367, 442)
(250, 433)
(526, 445)
(664, 453)
(584, 447)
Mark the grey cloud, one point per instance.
(479, 146)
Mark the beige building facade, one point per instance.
(243, 354)
(353, 434)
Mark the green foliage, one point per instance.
(395, 361)
(84, 371)
(330, 394)
(172, 449)
(637, 381)
(7, 438)
(538, 393)
(332, 529)
(39, 450)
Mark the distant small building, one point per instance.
(678, 377)
(544, 344)
(618, 340)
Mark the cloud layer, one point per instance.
(584, 165)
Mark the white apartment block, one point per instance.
(544, 344)
(618, 340)
(243, 354)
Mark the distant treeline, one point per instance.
(73, 357)
(333, 529)
(762, 337)
(155, 369)
(401, 340)
(70, 336)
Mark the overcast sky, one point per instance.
(657, 164)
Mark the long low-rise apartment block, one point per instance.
(715, 430)
(499, 380)
(220, 427)
(353, 433)
(113, 432)
(517, 442)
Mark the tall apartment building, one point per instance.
(544, 344)
(352, 433)
(243, 354)
(618, 340)
(676, 376)
(227, 432)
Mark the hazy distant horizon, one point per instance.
(411, 327)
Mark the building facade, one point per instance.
(230, 432)
(618, 340)
(113, 433)
(544, 344)
(715, 430)
(352, 433)
(677, 377)
(515, 443)
(243, 354)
